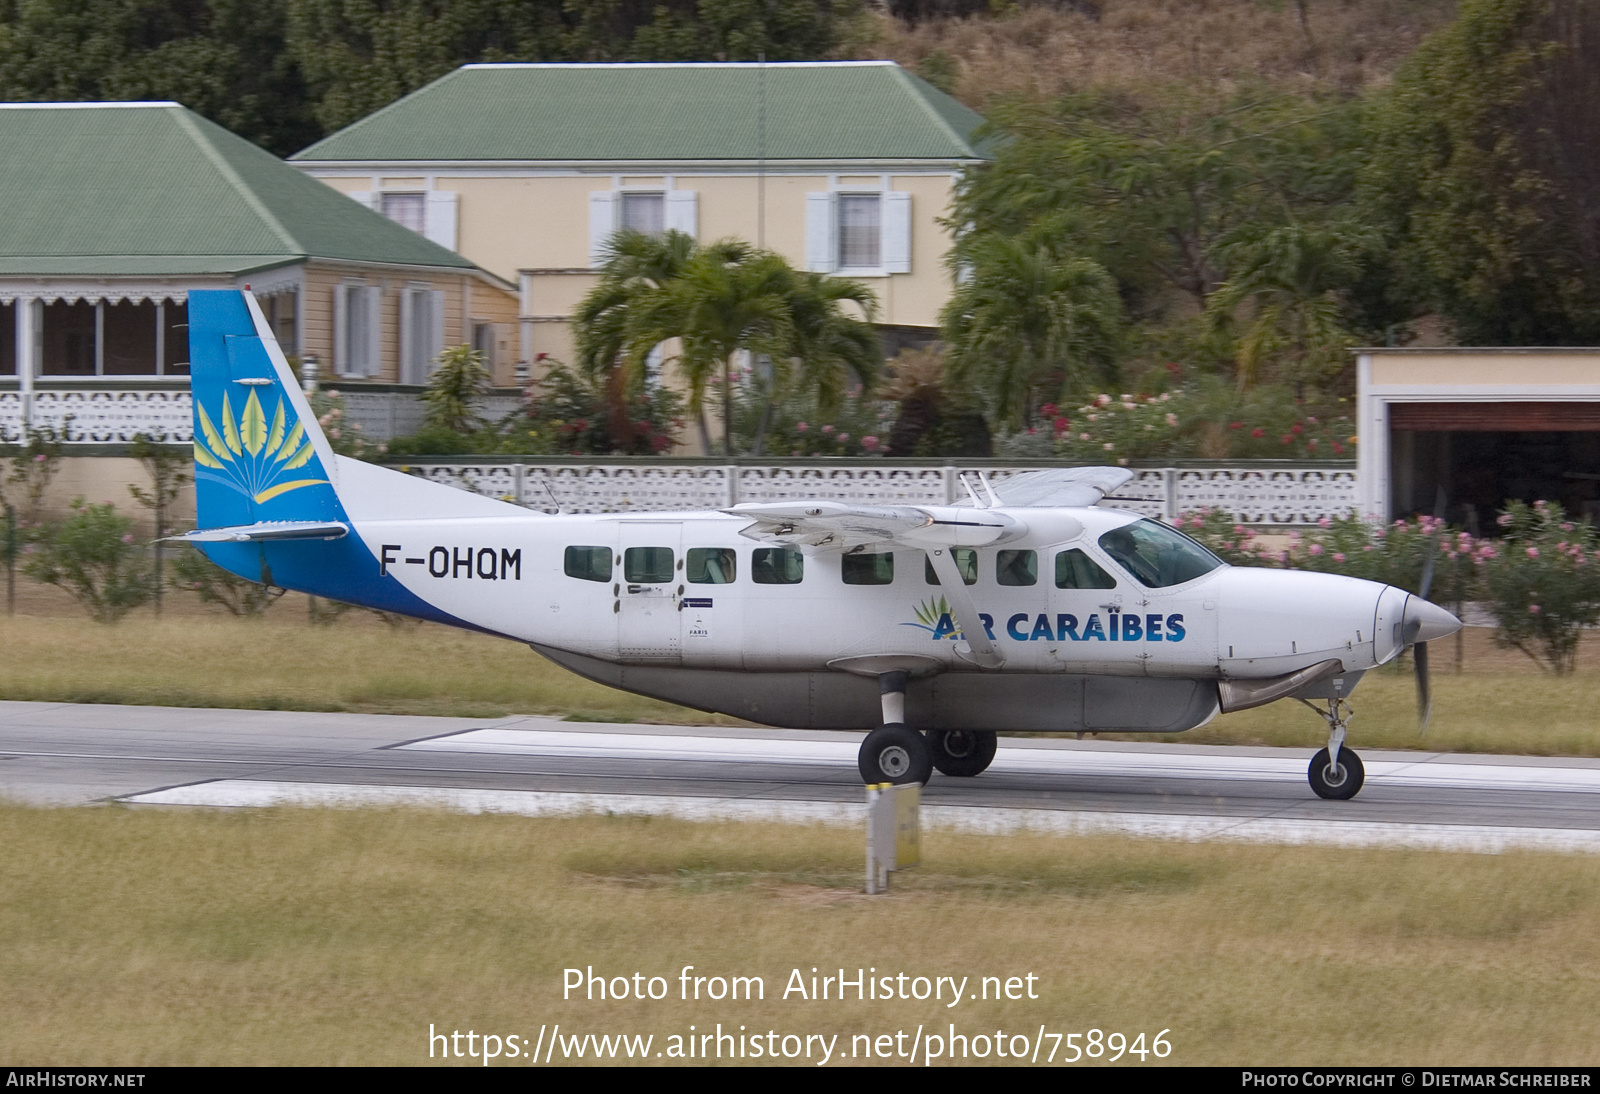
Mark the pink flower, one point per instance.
(39, 458)
(869, 443)
(1338, 448)
(1062, 424)
(1258, 432)
(843, 437)
(1172, 420)
(1048, 410)
(1503, 520)
(1533, 552)
(1324, 523)
(1338, 556)
(1533, 609)
(827, 429)
(801, 427)
(127, 539)
(1315, 548)
(1235, 425)
(1565, 526)
(1368, 547)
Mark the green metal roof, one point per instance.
(154, 189)
(870, 111)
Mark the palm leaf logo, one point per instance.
(929, 614)
(252, 453)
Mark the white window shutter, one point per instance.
(369, 198)
(372, 297)
(341, 330)
(409, 372)
(439, 218)
(897, 232)
(602, 225)
(822, 232)
(683, 212)
(435, 301)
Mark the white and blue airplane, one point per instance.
(1029, 607)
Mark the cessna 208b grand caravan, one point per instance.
(1029, 607)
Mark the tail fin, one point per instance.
(259, 454)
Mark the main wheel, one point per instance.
(895, 754)
(1341, 785)
(962, 752)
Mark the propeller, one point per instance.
(1419, 650)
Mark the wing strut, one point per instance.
(966, 611)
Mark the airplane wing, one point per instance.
(841, 526)
(837, 526)
(1059, 486)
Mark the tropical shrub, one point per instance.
(92, 556)
(1543, 583)
(193, 572)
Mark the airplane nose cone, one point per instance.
(1425, 622)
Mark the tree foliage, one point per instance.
(283, 73)
(1485, 172)
(1031, 324)
(706, 307)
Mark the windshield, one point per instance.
(1158, 556)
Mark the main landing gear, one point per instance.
(896, 753)
(1336, 771)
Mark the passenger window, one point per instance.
(710, 566)
(589, 563)
(1016, 568)
(1076, 570)
(966, 562)
(647, 565)
(776, 566)
(868, 569)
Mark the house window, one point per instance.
(860, 231)
(644, 212)
(128, 333)
(867, 235)
(407, 210)
(483, 342)
(174, 319)
(356, 319)
(421, 332)
(8, 339)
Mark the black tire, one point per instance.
(1348, 783)
(962, 753)
(895, 754)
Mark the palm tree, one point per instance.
(1028, 318)
(1288, 280)
(717, 302)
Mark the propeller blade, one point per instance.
(1419, 655)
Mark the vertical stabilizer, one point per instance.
(259, 453)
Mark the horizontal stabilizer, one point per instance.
(269, 531)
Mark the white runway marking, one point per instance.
(1012, 760)
(1461, 837)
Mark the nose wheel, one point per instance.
(1336, 772)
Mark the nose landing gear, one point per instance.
(1336, 772)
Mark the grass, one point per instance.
(150, 937)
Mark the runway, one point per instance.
(80, 754)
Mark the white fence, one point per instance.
(1263, 494)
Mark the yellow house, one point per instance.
(842, 167)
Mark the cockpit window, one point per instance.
(1158, 556)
